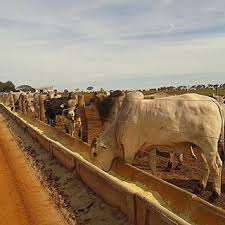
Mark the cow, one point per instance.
(30, 104)
(65, 93)
(173, 123)
(53, 107)
(10, 99)
(72, 121)
(68, 121)
(78, 132)
(69, 115)
(109, 106)
(16, 96)
(15, 99)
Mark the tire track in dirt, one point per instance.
(23, 200)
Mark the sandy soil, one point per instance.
(23, 199)
(73, 198)
(12, 208)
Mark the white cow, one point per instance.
(172, 155)
(68, 121)
(71, 119)
(172, 123)
(8, 100)
(11, 99)
(72, 123)
(109, 107)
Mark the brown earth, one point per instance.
(23, 200)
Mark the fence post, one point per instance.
(11, 100)
(81, 102)
(42, 107)
(24, 103)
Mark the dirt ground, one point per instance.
(187, 177)
(73, 198)
(23, 200)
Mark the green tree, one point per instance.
(90, 88)
(7, 86)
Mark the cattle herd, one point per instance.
(47, 107)
(133, 123)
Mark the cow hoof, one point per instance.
(199, 189)
(169, 166)
(178, 167)
(222, 156)
(214, 197)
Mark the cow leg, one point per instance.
(72, 129)
(192, 153)
(171, 161)
(80, 133)
(54, 122)
(205, 176)
(152, 161)
(66, 129)
(69, 130)
(46, 116)
(215, 165)
(180, 158)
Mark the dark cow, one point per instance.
(108, 106)
(53, 107)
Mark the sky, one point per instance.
(112, 43)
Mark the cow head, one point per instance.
(71, 114)
(101, 154)
(109, 106)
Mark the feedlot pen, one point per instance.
(186, 178)
(77, 203)
(135, 200)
